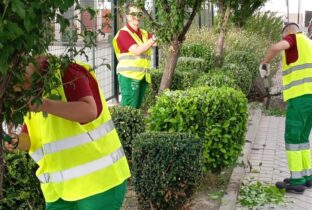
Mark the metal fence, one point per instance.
(98, 55)
(103, 51)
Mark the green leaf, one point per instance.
(18, 7)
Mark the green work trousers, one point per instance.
(297, 131)
(132, 91)
(108, 200)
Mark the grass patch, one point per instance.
(255, 195)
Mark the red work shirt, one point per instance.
(77, 84)
(125, 40)
(292, 52)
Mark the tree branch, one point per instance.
(190, 20)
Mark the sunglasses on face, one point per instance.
(136, 14)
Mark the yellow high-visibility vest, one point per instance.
(76, 161)
(131, 65)
(297, 76)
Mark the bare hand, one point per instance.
(11, 145)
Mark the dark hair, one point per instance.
(288, 24)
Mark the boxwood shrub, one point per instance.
(21, 187)
(216, 78)
(181, 81)
(241, 74)
(190, 64)
(166, 169)
(247, 59)
(216, 115)
(129, 122)
(199, 50)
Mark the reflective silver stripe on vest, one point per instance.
(307, 172)
(297, 147)
(297, 82)
(37, 155)
(84, 169)
(133, 57)
(73, 141)
(295, 175)
(131, 68)
(297, 68)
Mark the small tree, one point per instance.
(170, 23)
(240, 10)
(27, 30)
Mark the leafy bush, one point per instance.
(198, 50)
(21, 187)
(190, 64)
(216, 115)
(266, 24)
(166, 169)
(241, 74)
(216, 78)
(246, 59)
(128, 122)
(181, 81)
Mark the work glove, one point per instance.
(264, 70)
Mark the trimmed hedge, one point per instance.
(128, 122)
(181, 81)
(199, 50)
(216, 115)
(216, 78)
(166, 169)
(21, 188)
(190, 64)
(248, 60)
(241, 74)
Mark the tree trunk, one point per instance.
(171, 62)
(221, 36)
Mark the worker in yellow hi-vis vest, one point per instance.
(297, 92)
(81, 161)
(132, 47)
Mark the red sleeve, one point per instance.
(76, 83)
(149, 35)
(24, 128)
(125, 41)
(291, 39)
(292, 52)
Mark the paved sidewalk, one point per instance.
(269, 165)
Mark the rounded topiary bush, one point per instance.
(200, 50)
(248, 60)
(21, 187)
(216, 115)
(166, 169)
(181, 81)
(241, 74)
(216, 78)
(190, 64)
(128, 122)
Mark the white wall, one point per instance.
(280, 7)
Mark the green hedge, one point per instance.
(129, 122)
(21, 187)
(190, 64)
(241, 74)
(247, 60)
(216, 78)
(199, 50)
(217, 115)
(166, 169)
(181, 81)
